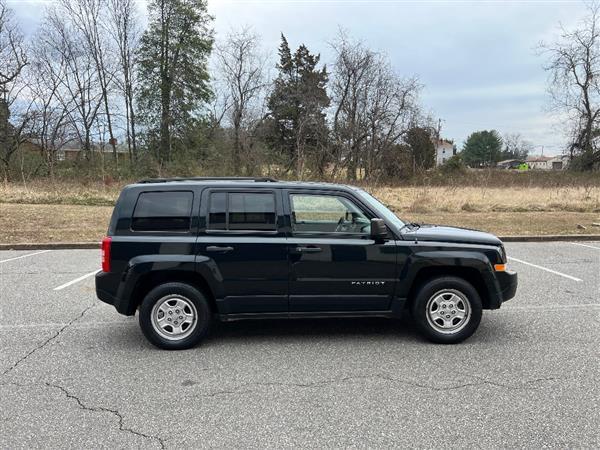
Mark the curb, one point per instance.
(53, 246)
(96, 245)
(552, 237)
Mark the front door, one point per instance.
(242, 243)
(335, 266)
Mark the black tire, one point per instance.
(181, 291)
(439, 290)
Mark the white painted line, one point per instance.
(76, 280)
(60, 325)
(24, 256)
(585, 245)
(545, 268)
(585, 306)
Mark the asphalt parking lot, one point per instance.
(74, 373)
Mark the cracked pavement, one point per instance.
(76, 374)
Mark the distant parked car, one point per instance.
(510, 164)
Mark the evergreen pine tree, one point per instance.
(173, 60)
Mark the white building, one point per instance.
(548, 162)
(444, 150)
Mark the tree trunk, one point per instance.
(165, 128)
(237, 144)
(112, 141)
(4, 126)
(132, 118)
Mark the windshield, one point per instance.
(382, 209)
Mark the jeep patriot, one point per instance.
(186, 251)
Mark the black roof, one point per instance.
(168, 180)
(245, 182)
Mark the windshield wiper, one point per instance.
(411, 225)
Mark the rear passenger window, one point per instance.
(242, 211)
(163, 211)
(217, 211)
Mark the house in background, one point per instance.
(560, 162)
(72, 150)
(536, 162)
(444, 150)
(548, 162)
(73, 153)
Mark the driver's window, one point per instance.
(327, 214)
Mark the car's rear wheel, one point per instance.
(175, 316)
(447, 310)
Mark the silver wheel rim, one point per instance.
(174, 317)
(448, 311)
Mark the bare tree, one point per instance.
(515, 147)
(14, 132)
(574, 83)
(13, 59)
(351, 78)
(85, 16)
(67, 61)
(373, 107)
(124, 25)
(241, 67)
(51, 127)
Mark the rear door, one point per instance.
(241, 240)
(335, 266)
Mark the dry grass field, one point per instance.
(62, 212)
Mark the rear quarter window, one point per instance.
(163, 211)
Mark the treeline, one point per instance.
(153, 92)
(169, 99)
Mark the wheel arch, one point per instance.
(148, 281)
(469, 274)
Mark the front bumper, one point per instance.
(507, 282)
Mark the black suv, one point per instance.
(183, 251)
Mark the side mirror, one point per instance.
(378, 229)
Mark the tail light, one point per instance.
(106, 242)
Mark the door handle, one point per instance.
(308, 249)
(217, 249)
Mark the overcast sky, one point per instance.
(476, 59)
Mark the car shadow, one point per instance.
(311, 328)
(291, 331)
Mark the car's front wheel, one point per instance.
(447, 310)
(175, 316)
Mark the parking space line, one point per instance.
(76, 280)
(62, 324)
(545, 269)
(24, 256)
(585, 306)
(585, 245)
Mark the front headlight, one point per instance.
(503, 254)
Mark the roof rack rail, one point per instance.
(165, 180)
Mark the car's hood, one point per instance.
(451, 234)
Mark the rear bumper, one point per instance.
(107, 290)
(106, 297)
